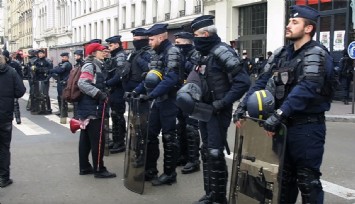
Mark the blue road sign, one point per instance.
(351, 50)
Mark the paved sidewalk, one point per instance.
(340, 112)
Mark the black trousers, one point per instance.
(5, 140)
(89, 141)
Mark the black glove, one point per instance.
(102, 96)
(273, 122)
(218, 105)
(240, 112)
(143, 98)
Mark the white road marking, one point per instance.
(340, 191)
(30, 128)
(56, 119)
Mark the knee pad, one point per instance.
(308, 182)
(192, 131)
(215, 154)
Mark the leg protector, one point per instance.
(310, 186)
(218, 175)
(193, 143)
(289, 190)
(170, 144)
(206, 177)
(181, 135)
(118, 127)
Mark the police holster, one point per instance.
(202, 112)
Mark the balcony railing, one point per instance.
(198, 9)
(182, 13)
(133, 24)
(143, 22)
(123, 26)
(154, 19)
(167, 16)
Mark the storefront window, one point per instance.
(339, 32)
(324, 34)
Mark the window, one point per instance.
(102, 29)
(252, 29)
(124, 17)
(89, 31)
(144, 9)
(115, 27)
(133, 15)
(155, 8)
(95, 30)
(109, 27)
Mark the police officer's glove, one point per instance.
(273, 122)
(218, 105)
(240, 112)
(101, 96)
(144, 98)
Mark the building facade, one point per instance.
(258, 26)
(18, 17)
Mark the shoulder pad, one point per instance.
(173, 50)
(229, 59)
(120, 59)
(313, 61)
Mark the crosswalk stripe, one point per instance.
(30, 128)
(56, 119)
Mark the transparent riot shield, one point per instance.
(136, 145)
(257, 164)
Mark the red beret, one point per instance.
(93, 47)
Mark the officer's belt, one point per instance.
(307, 118)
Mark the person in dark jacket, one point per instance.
(346, 75)
(161, 83)
(13, 63)
(114, 69)
(91, 110)
(187, 128)
(300, 76)
(79, 62)
(62, 71)
(14, 89)
(226, 82)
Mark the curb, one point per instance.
(340, 118)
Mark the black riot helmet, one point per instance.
(261, 104)
(187, 96)
(152, 79)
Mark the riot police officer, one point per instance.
(222, 81)
(62, 71)
(346, 75)
(161, 84)
(187, 128)
(79, 63)
(300, 76)
(41, 103)
(117, 103)
(137, 61)
(28, 73)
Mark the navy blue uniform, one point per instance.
(138, 65)
(164, 110)
(62, 71)
(187, 128)
(40, 72)
(303, 98)
(117, 103)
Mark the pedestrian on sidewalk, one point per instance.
(14, 88)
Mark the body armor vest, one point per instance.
(136, 72)
(215, 82)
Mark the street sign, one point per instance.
(351, 50)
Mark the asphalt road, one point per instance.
(45, 169)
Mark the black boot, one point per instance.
(206, 178)
(218, 173)
(118, 133)
(193, 143)
(170, 157)
(5, 182)
(103, 173)
(59, 106)
(153, 153)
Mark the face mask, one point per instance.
(185, 47)
(138, 44)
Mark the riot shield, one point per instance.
(136, 145)
(40, 103)
(257, 164)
